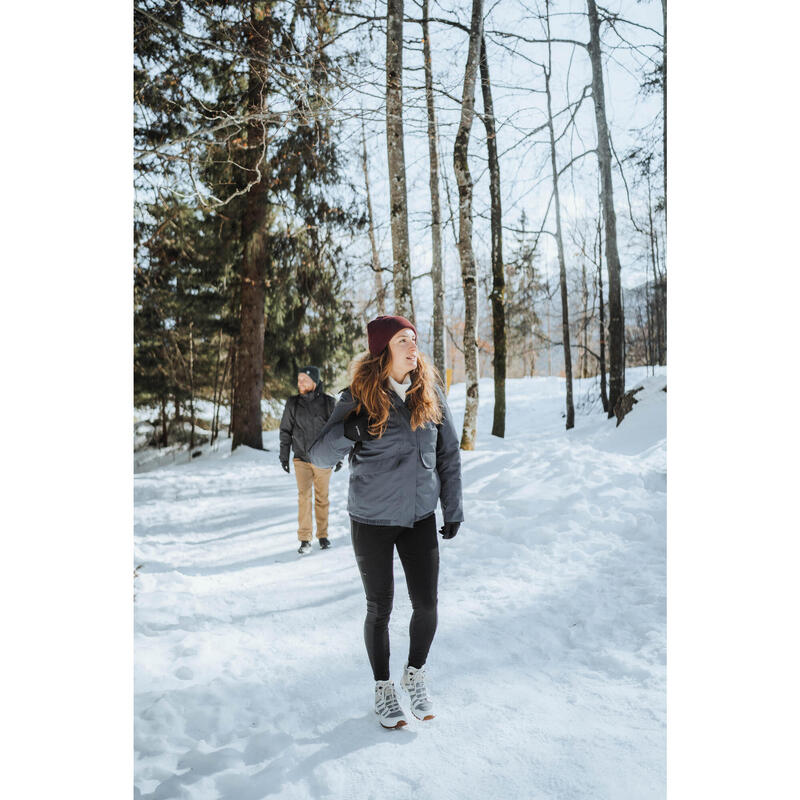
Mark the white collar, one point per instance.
(401, 388)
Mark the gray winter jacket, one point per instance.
(397, 479)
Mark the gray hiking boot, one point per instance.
(390, 715)
(413, 681)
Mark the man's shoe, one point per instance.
(390, 715)
(324, 544)
(305, 548)
(413, 681)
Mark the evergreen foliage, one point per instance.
(195, 164)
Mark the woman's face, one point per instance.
(403, 348)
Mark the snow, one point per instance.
(548, 667)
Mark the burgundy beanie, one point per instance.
(381, 329)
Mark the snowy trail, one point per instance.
(548, 668)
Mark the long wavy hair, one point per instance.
(370, 389)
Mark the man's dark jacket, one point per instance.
(304, 417)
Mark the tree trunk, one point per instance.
(602, 307)
(657, 294)
(498, 294)
(437, 274)
(562, 268)
(616, 322)
(446, 183)
(664, 110)
(249, 376)
(217, 391)
(191, 385)
(226, 367)
(662, 297)
(398, 211)
(662, 260)
(650, 325)
(164, 426)
(549, 337)
(177, 419)
(584, 323)
(465, 252)
(376, 261)
(233, 388)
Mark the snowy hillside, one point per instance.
(548, 667)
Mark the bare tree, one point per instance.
(583, 338)
(437, 274)
(664, 104)
(602, 306)
(398, 199)
(616, 322)
(498, 293)
(659, 293)
(192, 415)
(562, 268)
(465, 251)
(376, 260)
(616, 326)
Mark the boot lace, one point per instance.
(389, 698)
(419, 691)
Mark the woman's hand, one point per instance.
(355, 428)
(449, 529)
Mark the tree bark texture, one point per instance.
(191, 385)
(664, 110)
(658, 294)
(616, 319)
(398, 200)
(602, 306)
(562, 268)
(249, 380)
(437, 273)
(465, 251)
(498, 294)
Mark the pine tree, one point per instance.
(233, 120)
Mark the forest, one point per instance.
(493, 171)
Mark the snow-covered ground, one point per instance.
(548, 667)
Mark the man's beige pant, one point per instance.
(307, 476)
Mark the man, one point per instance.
(304, 416)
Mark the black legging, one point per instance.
(418, 549)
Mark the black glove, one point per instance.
(449, 529)
(285, 465)
(355, 428)
(338, 466)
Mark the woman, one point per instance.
(404, 457)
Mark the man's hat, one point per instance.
(312, 372)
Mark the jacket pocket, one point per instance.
(428, 458)
(427, 446)
(369, 461)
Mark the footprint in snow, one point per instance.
(184, 673)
